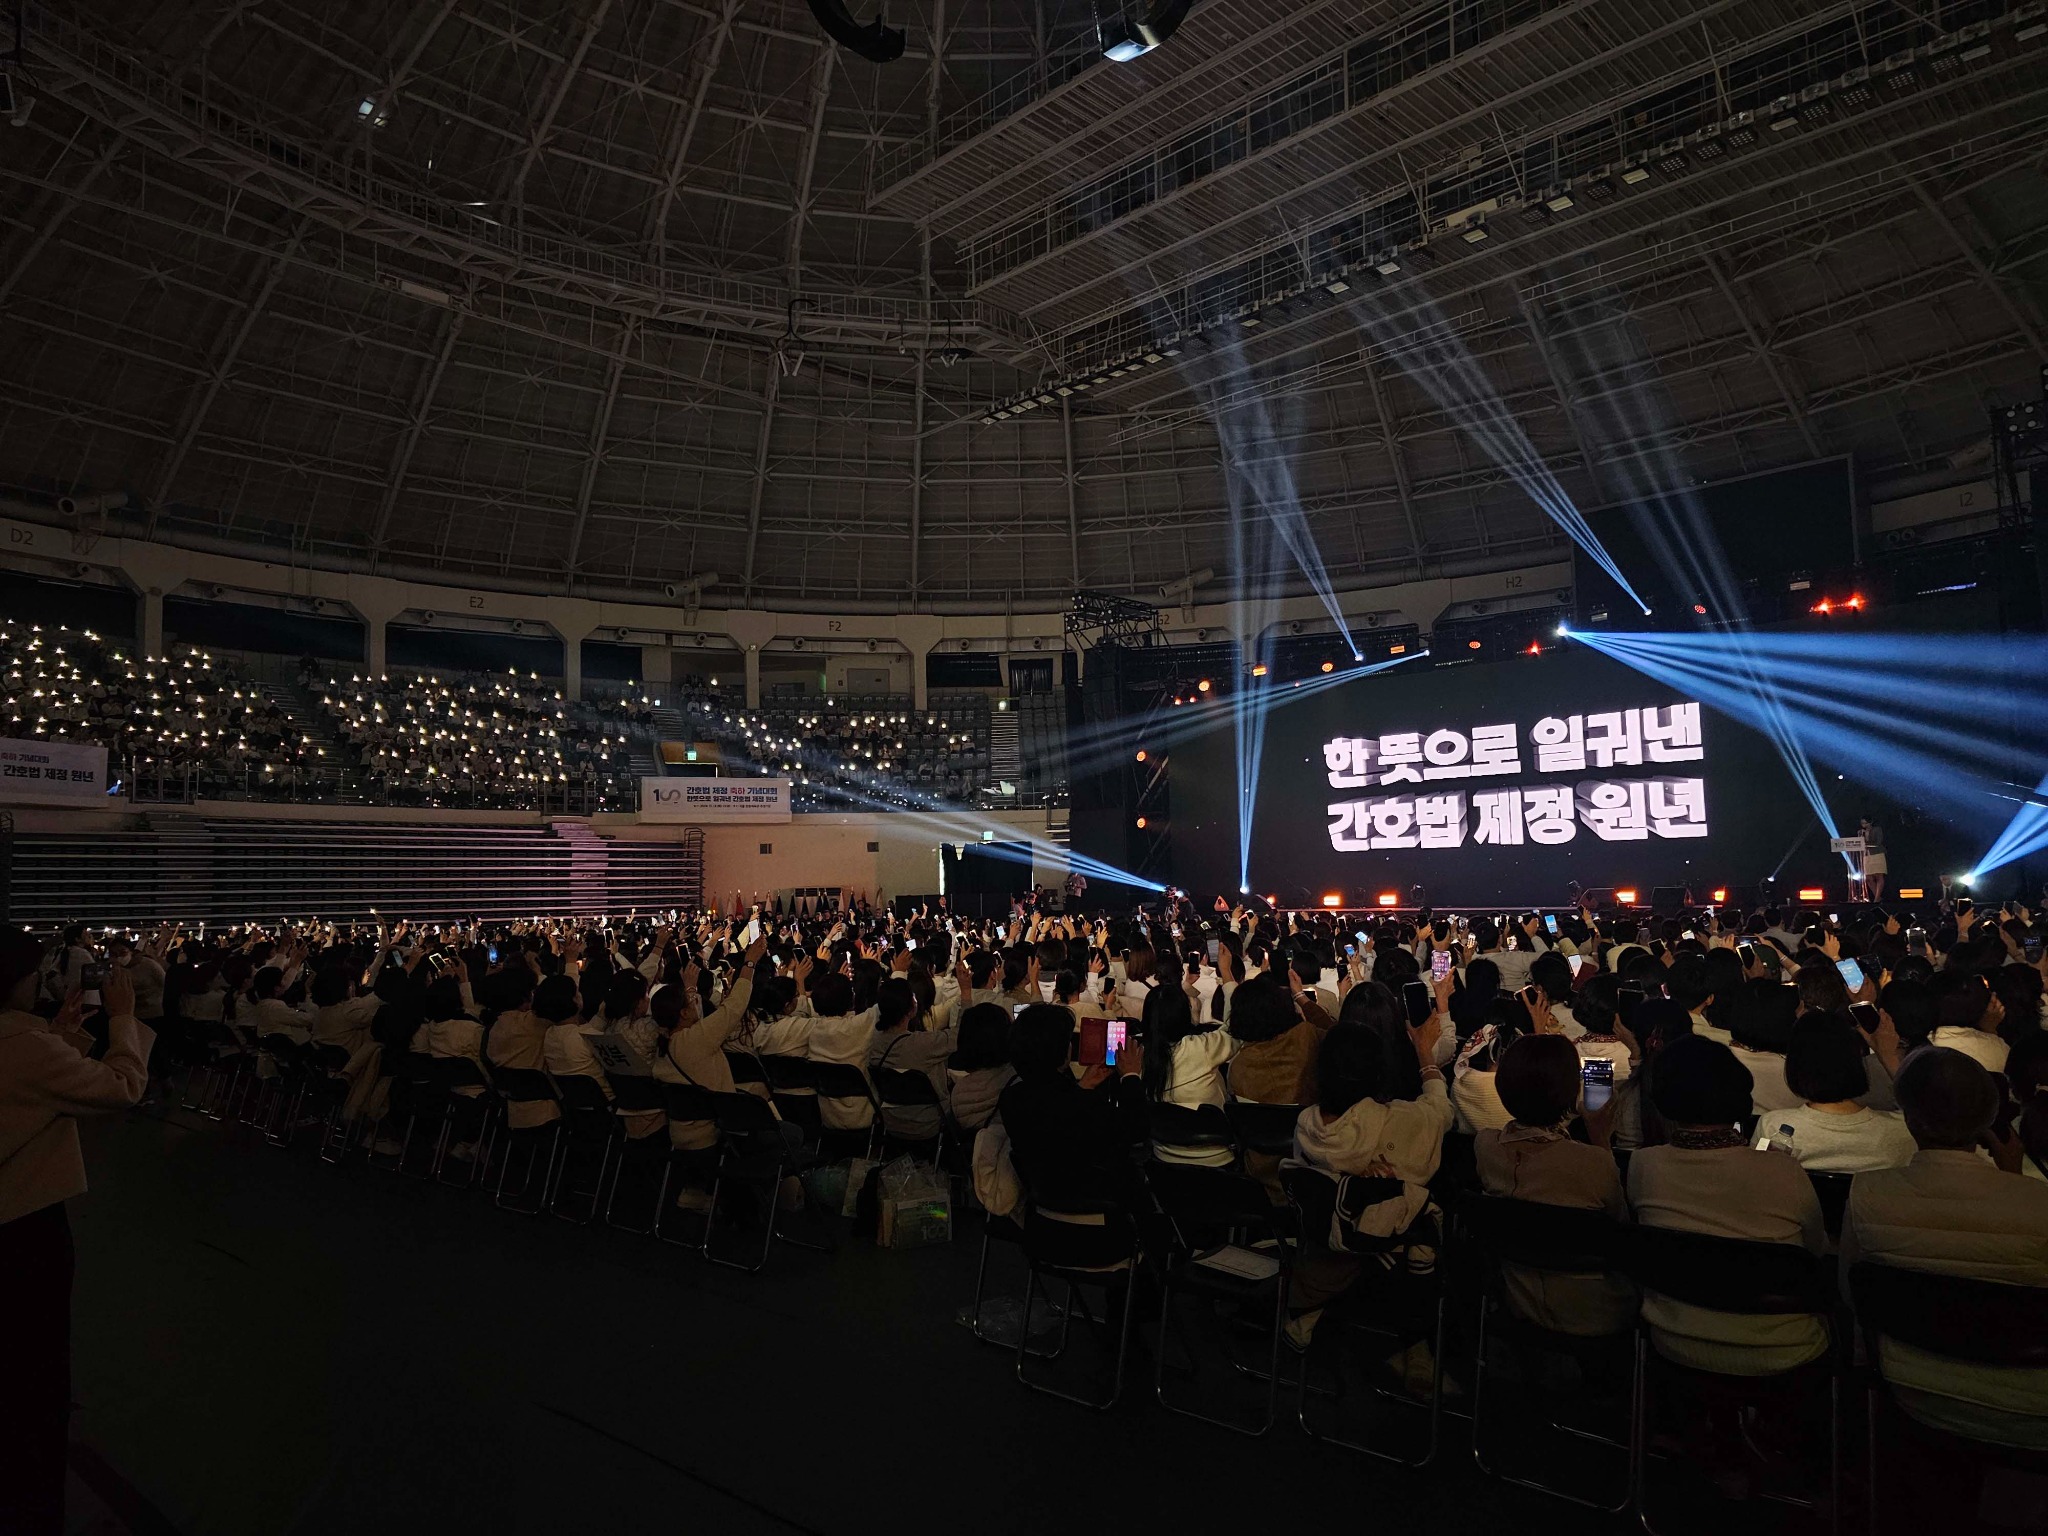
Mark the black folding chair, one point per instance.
(587, 1123)
(896, 1089)
(746, 1069)
(272, 1110)
(753, 1150)
(218, 1054)
(845, 1081)
(526, 1085)
(635, 1095)
(1207, 1210)
(1197, 1134)
(417, 1090)
(1387, 1303)
(1267, 1128)
(688, 1104)
(461, 1110)
(789, 1081)
(1498, 1234)
(1724, 1274)
(326, 1094)
(1966, 1321)
(1080, 1247)
(1832, 1190)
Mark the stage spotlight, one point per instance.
(1244, 890)
(1141, 823)
(1963, 880)
(1535, 648)
(1720, 894)
(1563, 630)
(1812, 893)
(874, 42)
(1333, 899)
(1389, 898)
(1141, 754)
(1124, 39)
(1912, 893)
(1259, 670)
(1471, 645)
(1202, 686)
(1329, 666)
(1625, 897)
(1700, 609)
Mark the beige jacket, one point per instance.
(697, 1055)
(45, 1085)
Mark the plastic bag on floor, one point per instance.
(1002, 1315)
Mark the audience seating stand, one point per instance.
(1080, 1247)
(1494, 1233)
(1392, 1304)
(1201, 1206)
(1976, 1322)
(1751, 1278)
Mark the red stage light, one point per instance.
(1812, 893)
(1329, 666)
(1141, 823)
(1720, 894)
(1700, 609)
(1627, 898)
(1535, 648)
(1333, 899)
(1259, 670)
(1471, 645)
(1389, 898)
(1141, 754)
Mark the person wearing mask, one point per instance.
(1535, 1158)
(899, 1043)
(1953, 1212)
(1832, 1130)
(47, 1084)
(1967, 1017)
(1707, 1178)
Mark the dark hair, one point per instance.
(1485, 934)
(832, 995)
(2026, 1072)
(1910, 1004)
(1168, 1020)
(443, 999)
(622, 994)
(1482, 979)
(665, 1007)
(1351, 1066)
(2019, 990)
(1821, 988)
(1041, 1036)
(895, 1003)
(1949, 1100)
(1375, 1012)
(984, 1039)
(330, 986)
(1538, 1080)
(1762, 1017)
(1697, 1081)
(1960, 999)
(1553, 973)
(1260, 1009)
(265, 982)
(556, 1000)
(1824, 1062)
(1598, 1005)
(1688, 982)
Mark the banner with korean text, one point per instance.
(51, 773)
(707, 800)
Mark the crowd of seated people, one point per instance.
(850, 751)
(1736, 1071)
(188, 717)
(487, 739)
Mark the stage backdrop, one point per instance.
(1496, 782)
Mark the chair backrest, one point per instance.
(582, 1093)
(1313, 1194)
(1727, 1274)
(1263, 1127)
(1832, 1190)
(416, 1067)
(1981, 1321)
(785, 1074)
(904, 1088)
(634, 1094)
(1193, 1196)
(284, 1050)
(524, 1085)
(745, 1067)
(1182, 1125)
(688, 1101)
(1547, 1237)
(841, 1080)
(744, 1114)
(328, 1058)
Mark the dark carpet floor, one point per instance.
(269, 1345)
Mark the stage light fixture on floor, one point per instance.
(1912, 893)
(1329, 666)
(1141, 823)
(1812, 893)
(1259, 670)
(1333, 899)
(1720, 894)
(1202, 686)
(1141, 754)
(1390, 898)
(1563, 630)
(1625, 896)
